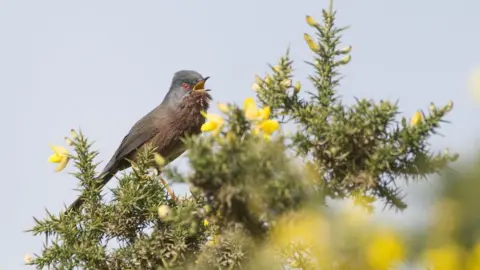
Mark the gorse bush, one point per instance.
(258, 195)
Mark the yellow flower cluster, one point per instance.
(416, 119)
(260, 117)
(214, 123)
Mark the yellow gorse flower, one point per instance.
(416, 119)
(214, 123)
(384, 250)
(444, 257)
(250, 109)
(269, 126)
(61, 156)
(261, 117)
(159, 159)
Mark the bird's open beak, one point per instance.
(200, 86)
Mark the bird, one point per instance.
(177, 116)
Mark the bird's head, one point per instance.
(187, 83)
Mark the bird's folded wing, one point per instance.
(140, 134)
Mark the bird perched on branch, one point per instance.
(164, 127)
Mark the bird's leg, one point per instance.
(158, 172)
(169, 190)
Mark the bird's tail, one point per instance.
(102, 181)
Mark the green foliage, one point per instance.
(357, 147)
(241, 183)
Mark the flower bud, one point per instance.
(311, 21)
(73, 134)
(159, 159)
(68, 141)
(255, 87)
(163, 211)
(449, 106)
(311, 44)
(286, 83)
(297, 87)
(258, 80)
(27, 258)
(416, 119)
(344, 50)
(268, 79)
(345, 60)
(432, 108)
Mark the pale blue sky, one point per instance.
(101, 65)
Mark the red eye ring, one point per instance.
(186, 86)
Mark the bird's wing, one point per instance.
(141, 132)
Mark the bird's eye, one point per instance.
(186, 86)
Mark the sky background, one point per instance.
(101, 65)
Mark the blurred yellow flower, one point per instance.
(444, 258)
(60, 155)
(306, 230)
(384, 250)
(163, 211)
(159, 159)
(261, 117)
(297, 87)
(363, 201)
(205, 222)
(27, 258)
(214, 123)
(311, 21)
(311, 44)
(250, 108)
(269, 126)
(416, 119)
(473, 262)
(264, 113)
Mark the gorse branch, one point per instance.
(356, 147)
(252, 205)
